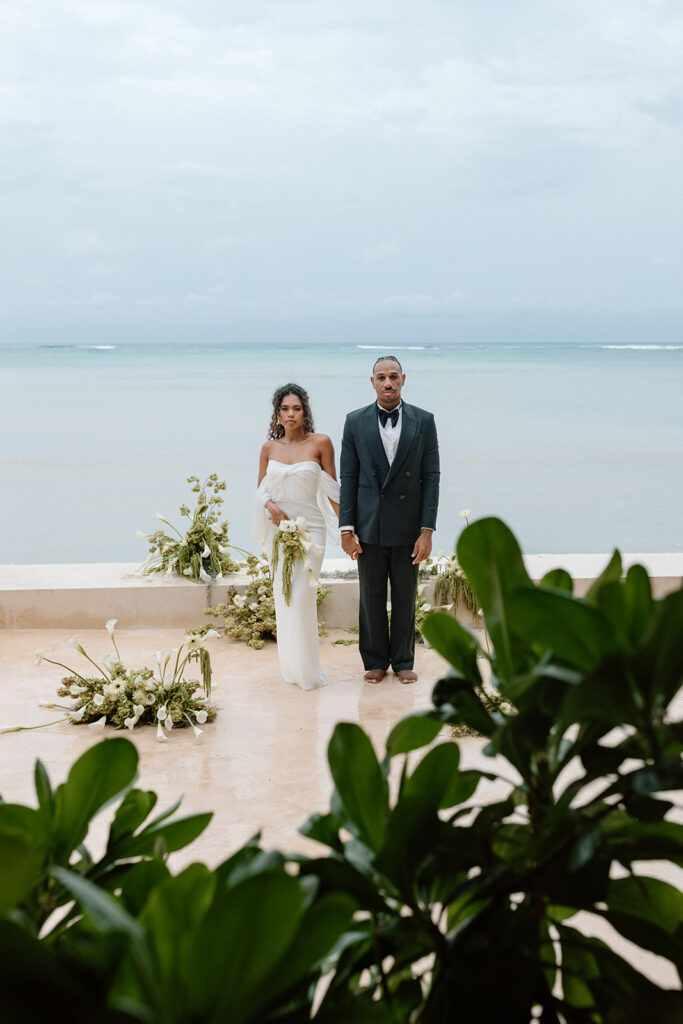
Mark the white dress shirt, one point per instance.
(390, 434)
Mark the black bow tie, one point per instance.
(385, 415)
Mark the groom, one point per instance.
(387, 513)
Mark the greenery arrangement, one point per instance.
(203, 552)
(292, 542)
(452, 589)
(125, 697)
(435, 901)
(251, 616)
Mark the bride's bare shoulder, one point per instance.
(322, 440)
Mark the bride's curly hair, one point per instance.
(276, 430)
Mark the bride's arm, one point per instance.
(327, 463)
(276, 513)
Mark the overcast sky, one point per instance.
(213, 169)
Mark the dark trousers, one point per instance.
(381, 647)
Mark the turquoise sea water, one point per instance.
(578, 448)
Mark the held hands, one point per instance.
(276, 513)
(423, 547)
(351, 545)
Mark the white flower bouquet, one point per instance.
(122, 697)
(292, 541)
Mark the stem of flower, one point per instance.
(62, 665)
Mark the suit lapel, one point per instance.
(408, 431)
(374, 441)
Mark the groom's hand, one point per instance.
(351, 545)
(423, 547)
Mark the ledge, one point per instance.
(85, 596)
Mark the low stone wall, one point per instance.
(86, 596)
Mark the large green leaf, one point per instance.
(558, 579)
(659, 663)
(638, 603)
(573, 629)
(610, 574)
(360, 783)
(454, 643)
(130, 814)
(416, 730)
(436, 776)
(324, 828)
(233, 953)
(492, 561)
(467, 708)
(20, 867)
(168, 837)
(95, 779)
(176, 905)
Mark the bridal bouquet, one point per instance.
(112, 694)
(292, 541)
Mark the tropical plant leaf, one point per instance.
(454, 643)
(416, 730)
(360, 783)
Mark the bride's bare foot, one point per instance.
(375, 675)
(407, 675)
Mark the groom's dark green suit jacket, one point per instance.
(389, 505)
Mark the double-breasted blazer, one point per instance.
(389, 505)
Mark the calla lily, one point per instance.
(11, 728)
(39, 657)
(130, 723)
(198, 735)
(77, 716)
(48, 704)
(98, 723)
(161, 735)
(98, 700)
(76, 690)
(168, 723)
(141, 535)
(201, 716)
(110, 627)
(207, 551)
(161, 713)
(139, 709)
(75, 642)
(465, 513)
(109, 660)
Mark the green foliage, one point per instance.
(459, 903)
(251, 616)
(202, 553)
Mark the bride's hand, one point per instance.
(276, 513)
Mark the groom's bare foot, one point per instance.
(406, 675)
(375, 675)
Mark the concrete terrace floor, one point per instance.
(262, 763)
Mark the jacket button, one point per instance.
(382, 497)
(407, 472)
(401, 496)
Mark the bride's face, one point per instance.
(291, 412)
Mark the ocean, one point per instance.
(579, 448)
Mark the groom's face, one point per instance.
(387, 380)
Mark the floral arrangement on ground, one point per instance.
(202, 553)
(251, 616)
(125, 698)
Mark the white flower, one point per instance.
(198, 734)
(130, 723)
(301, 522)
(207, 551)
(139, 709)
(113, 689)
(11, 728)
(204, 577)
(99, 723)
(238, 601)
(158, 515)
(74, 641)
(187, 572)
(39, 657)
(216, 528)
(426, 607)
(212, 634)
(465, 513)
(421, 588)
(77, 716)
(151, 684)
(75, 690)
(141, 535)
(110, 627)
(98, 700)
(150, 700)
(161, 713)
(161, 735)
(109, 660)
(168, 722)
(201, 716)
(139, 696)
(48, 704)
(168, 684)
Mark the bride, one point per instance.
(297, 478)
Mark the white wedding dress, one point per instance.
(302, 489)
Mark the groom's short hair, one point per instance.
(382, 359)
